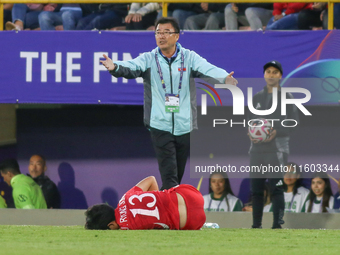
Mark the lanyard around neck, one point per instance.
(161, 73)
(291, 202)
(218, 207)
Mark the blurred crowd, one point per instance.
(196, 16)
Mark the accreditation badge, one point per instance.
(171, 103)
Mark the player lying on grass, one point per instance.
(145, 207)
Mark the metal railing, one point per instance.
(164, 4)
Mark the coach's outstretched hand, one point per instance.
(108, 63)
(230, 79)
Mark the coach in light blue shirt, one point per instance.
(169, 95)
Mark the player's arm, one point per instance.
(211, 73)
(22, 199)
(128, 69)
(148, 184)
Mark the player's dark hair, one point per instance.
(227, 188)
(326, 194)
(99, 216)
(167, 20)
(298, 182)
(10, 165)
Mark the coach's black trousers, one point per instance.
(172, 154)
(275, 181)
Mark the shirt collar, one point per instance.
(173, 57)
(218, 199)
(14, 178)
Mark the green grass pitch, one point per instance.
(49, 240)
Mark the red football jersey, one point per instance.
(148, 210)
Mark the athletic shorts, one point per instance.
(195, 206)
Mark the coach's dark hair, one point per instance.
(10, 165)
(99, 216)
(166, 20)
(326, 194)
(227, 188)
(298, 182)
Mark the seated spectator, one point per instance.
(258, 15)
(68, 17)
(295, 194)
(25, 16)
(267, 204)
(310, 18)
(181, 12)
(324, 17)
(103, 16)
(320, 195)
(37, 168)
(211, 19)
(337, 198)
(26, 193)
(141, 16)
(254, 15)
(2, 202)
(221, 197)
(7, 14)
(285, 16)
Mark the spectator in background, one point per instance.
(7, 14)
(2, 202)
(254, 15)
(233, 17)
(181, 12)
(141, 16)
(258, 15)
(37, 168)
(211, 19)
(103, 16)
(310, 18)
(68, 17)
(320, 195)
(337, 198)
(221, 197)
(285, 16)
(26, 193)
(25, 16)
(295, 194)
(324, 17)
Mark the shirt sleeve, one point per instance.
(205, 70)
(148, 8)
(295, 7)
(133, 190)
(132, 68)
(21, 198)
(134, 8)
